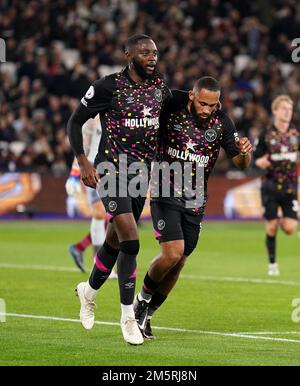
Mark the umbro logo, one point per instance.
(130, 100)
(177, 127)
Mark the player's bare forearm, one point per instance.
(243, 161)
(82, 159)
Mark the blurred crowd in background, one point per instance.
(55, 49)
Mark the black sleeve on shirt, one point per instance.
(260, 146)
(229, 135)
(167, 95)
(176, 100)
(74, 128)
(96, 100)
(98, 97)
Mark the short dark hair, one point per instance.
(134, 40)
(207, 82)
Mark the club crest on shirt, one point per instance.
(161, 225)
(211, 135)
(112, 206)
(158, 95)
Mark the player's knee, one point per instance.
(127, 231)
(110, 249)
(174, 256)
(272, 229)
(112, 240)
(289, 229)
(114, 244)
(130, 247)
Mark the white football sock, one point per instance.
(98, 232)
(127, 312)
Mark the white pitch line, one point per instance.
(183, 276)
(38, 267)
(232, 335)
(271, 333)
(241, 280)
(54, 318)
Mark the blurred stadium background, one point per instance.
(56, 49)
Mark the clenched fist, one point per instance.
(244, 145)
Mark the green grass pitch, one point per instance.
(225, 310)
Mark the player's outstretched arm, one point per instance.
(243, 160)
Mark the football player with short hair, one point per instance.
(277, 154)
(192, 134)
(129, 103)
